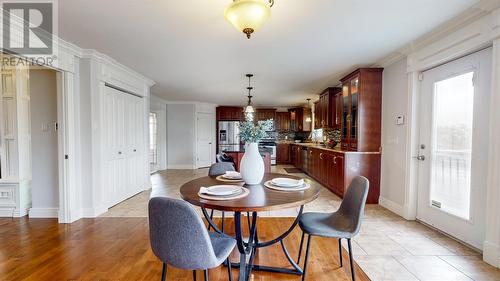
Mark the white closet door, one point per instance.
(123, 129)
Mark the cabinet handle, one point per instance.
(335, 160)
(135, 150)
(119, 152)
(321, 156)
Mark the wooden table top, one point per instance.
(260, 198)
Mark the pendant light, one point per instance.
(248, 15)
(308, 118)
(249, 108)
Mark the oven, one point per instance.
(269, 145)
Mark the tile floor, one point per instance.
(387, 248)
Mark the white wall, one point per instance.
(44, 186)
(181, 136)
(394, 137)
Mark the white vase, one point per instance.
(252, 164)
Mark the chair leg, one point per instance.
(340, 251)
(307, 256)
(350, 259)
(206, 274)
(300, 247)
(229, 270)
(164, 272)
(194, 275)
(211, 218)
(222, 224)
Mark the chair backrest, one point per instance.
(178, 236)
(353, 204)
(220, 168)
(224, 158)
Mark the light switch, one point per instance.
(400, 120)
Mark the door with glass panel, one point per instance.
(454, 109)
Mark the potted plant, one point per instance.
(252, 165)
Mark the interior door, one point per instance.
(454, 109)
(205, 139)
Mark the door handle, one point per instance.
(420, 157)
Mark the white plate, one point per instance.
(232, 175)
(221, 190)
(287, 182)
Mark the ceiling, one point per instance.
(193, 54)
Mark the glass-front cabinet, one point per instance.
(361, 110)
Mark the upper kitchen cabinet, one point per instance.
(282, 121)
(265, 114)
(327, 109)
(361, 104)
(229, 113)
(300, 119)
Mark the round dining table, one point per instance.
(260, 199)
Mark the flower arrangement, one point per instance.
(250, 132)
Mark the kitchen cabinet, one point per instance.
(296, 155)
(283, 153)
(326, 109)
(336, 169)
(361, 110)
(282, 121)
(230, 113)
(265, 114)
(300, 119)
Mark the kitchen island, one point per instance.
(237, 155)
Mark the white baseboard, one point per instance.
(44, 213)
(181, 167)
(491, 253)
(18, 213)
(391, 206)
(6, 212)
(93, 212)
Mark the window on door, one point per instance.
(153, 141)
(450, 184)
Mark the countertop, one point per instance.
(318, 146)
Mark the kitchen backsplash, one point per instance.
(292, 135)
(334, 134)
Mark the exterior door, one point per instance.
(454, 105)
(205, 135)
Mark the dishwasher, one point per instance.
(305, 160)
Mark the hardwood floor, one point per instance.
(118, 249)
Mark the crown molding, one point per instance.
(474, 13)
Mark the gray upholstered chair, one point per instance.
(217, 169)
(345, 223)
(179, 238)
(220, 168)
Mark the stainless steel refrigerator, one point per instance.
(229, 136)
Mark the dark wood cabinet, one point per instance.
(282, 122)
(283, 153)
(361, 110)
(262, 114)
(326, 113)
(296, 155)
(229, 113)
(336, 170)
(237, 156)
(300, 119)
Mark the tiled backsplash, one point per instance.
(334, 134)
(292, 135)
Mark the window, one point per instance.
(153, 140)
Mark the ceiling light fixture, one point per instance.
(248, 15)
(249, 108)
(308, 118)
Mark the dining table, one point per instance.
(259, 199)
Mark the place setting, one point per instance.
(230, 176)
(287, 184)
(223, 192)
